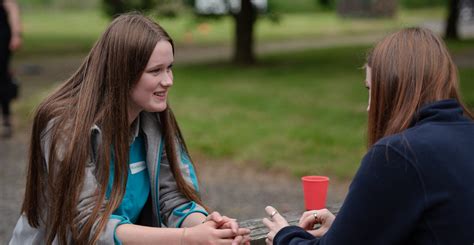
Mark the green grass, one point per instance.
(301, 112)
(50, 32)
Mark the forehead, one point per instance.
(162, 54)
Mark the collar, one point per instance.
(442, 111)
(134, 129)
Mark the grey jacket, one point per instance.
(166, 205)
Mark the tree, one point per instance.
(115, 7)
(245, 14)
(244, 17)
(244, 31)
(452, 21)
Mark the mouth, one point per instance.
(160, 95)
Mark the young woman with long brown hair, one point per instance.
(108, 163)
(415, 184)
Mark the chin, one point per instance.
(157, 108)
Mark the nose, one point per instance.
(167, 80)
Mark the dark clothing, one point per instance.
(415, 187)
(6, 93)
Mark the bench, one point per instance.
(258, 230)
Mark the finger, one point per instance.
(318, 232)
(224, 233)
(306, 214)
(246, 240)
(270, 210)
(215, 216)
(267, 223)
(276, 215)
(237, 240)
(268, 242)
(232, 223)
(271, 235)
(243, 231)
(225, 241)
(308, 222)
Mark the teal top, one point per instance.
(138, 186)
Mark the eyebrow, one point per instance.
(159, 66)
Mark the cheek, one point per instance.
(143, 89)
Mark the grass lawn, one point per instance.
(299, 112)
(57, 32)
(303, 112)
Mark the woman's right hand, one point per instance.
(210, 234)
(312, 217)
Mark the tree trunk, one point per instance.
(452, 21)
(324, 3)
(243, 40)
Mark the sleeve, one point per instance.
(174, 206)
(87, 202)
(87, 197)
(385, 201)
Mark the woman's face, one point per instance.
(368, 82)
(150, 93)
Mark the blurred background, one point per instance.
(265, 91)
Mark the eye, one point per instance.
(169, 68)
(155, 71)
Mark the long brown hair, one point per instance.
(410, 68)
(97, 94)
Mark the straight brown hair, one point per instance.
(96, 94)
(410, 68)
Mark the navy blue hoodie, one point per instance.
(415, 187)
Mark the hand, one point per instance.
(15, 42)
(242, 235)
(310, 218)
(207, 233)
(274, 224)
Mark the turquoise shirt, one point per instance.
(138, 185)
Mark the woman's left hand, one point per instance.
(242, 235)
(274, 224)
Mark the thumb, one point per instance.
(211, 224)
(318, 232)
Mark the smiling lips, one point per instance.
(160, 95)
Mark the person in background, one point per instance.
(415, 184)
(10, 41)
(108, 163)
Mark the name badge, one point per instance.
(137, 167)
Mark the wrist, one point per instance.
(183, 237)
(17, 34)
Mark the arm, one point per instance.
(176, 210)
(385, 201)
(14, 21)
(87, 197)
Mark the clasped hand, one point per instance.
(308, 220)
(217, 229)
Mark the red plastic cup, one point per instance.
(315, 189)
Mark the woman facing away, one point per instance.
(108, 163)
(415, 184)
